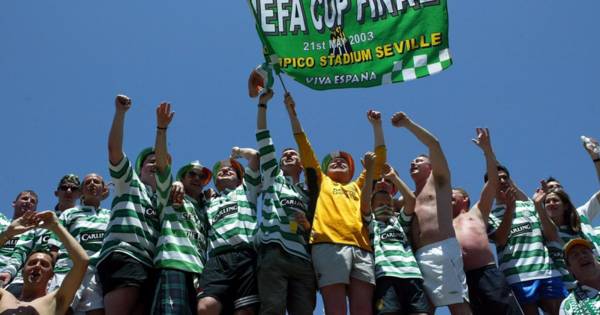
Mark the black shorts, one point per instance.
(120, 270)
(231, 279)
(397, 295)
(489, 293)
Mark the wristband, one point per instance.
(161, 128)
(262, 105)
(596, 160)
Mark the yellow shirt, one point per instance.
(337, 215)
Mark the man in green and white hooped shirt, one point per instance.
(522, 255)
(25, 201)
(30, 241)
(285, 276)
(228, 281)
(87, 223)
(399, 282)
(581, 261)
(181, 247)
(125, 265)
(67, 192)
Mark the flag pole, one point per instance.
(282, 84)
(264, 40)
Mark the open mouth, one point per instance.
(34, 276)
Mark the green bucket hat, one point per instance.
(141, 157)
(192, 165)
(335, 154)
(239, 169)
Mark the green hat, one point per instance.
(192, 165)
(239, 169)
(335, 154)
(141, 157)
(71, 179)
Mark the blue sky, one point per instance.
(526, 71)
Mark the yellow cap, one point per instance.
(574, 242)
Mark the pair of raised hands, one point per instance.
(164, 115)
(30, 220)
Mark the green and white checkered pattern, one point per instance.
(525, 256)
(133, 226)
(87, 224)
(393, 252)
(183, 230)
(420, 66)
(281, 200)
(232, 216)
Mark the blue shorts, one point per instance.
(530, 292)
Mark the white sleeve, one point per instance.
(591, 208)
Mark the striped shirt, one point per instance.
(393, 251)
(183, 230)
(524, 257)
(583, 300)
(87, 225)
(281, 200)
(133, 226)
(30, 241)
(566, 234)
(232, 216)
(8, 247)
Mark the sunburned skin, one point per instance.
(433, 214)
(472, 236)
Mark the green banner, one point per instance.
(333, 44)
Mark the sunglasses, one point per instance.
(67, 187)
(201, 175)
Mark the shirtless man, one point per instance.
(38, 270)
(489, 292)
(436, 249)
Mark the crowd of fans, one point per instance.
(170, 245)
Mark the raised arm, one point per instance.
(549, 229)
(290, 106)
(64, 295)
(374, 118)
(591, 149)
(164, 116)
(115, 137)
(486, 200)
(263, 100)
(439, 165)
(367, 188)
(268, 160)
(249, 155)
(307, 154)
(408, 196)
(502, 233)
